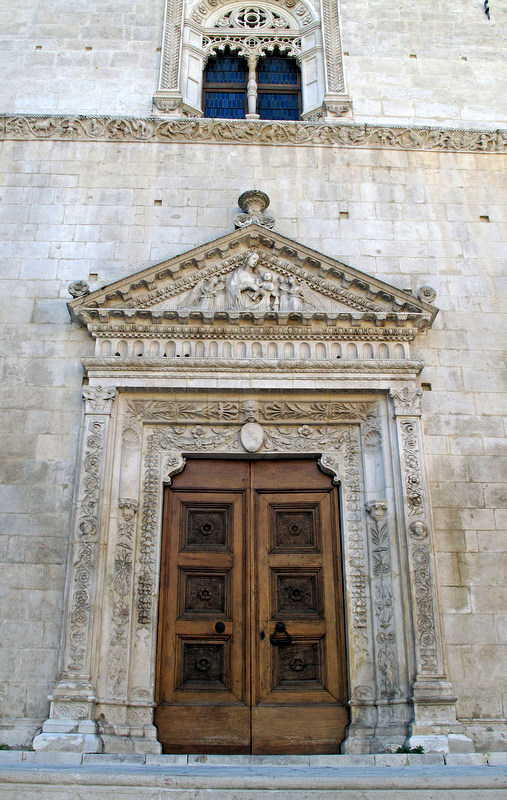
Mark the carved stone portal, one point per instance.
(252, 346)
(110, 706)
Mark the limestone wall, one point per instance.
(101, 210)
(416, 61)
(90, 211)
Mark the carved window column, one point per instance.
(433, 699)
(251, 88)
(71, 722)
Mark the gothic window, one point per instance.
(266, 87)
(225, 79)
(276, 61)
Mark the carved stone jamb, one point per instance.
(393, 699)
(159, 467)
(71, 724)
(121, 591)
(346, 470)
(392, 716)
(434, 716)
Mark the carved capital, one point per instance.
(376, 509)
(98, 399)
(406, 401)
(128, 508)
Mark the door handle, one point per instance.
(220, 627)
(280, 636)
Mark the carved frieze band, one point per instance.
(98, 401)
(382, 580)
(333, 134)
(236, 411)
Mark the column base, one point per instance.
(140, 745)
(377, 728)
(443, 743)
(334, 107)
(170, 104)
(71, 736)
(434, 725)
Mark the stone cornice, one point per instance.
(407, 368)
(272, 325)
(83, 128)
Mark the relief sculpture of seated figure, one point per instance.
(246, 287)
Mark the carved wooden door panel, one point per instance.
(203, 680)
(251, 653)
(299, 704)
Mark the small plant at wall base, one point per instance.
(404, 749)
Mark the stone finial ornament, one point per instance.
(253, 203)
(78, 289)
(427, 294)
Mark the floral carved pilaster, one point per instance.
(434, 703)
(73, 699)
(382, 590)
(121, 587)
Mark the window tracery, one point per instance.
(290, 28)
(252, 17)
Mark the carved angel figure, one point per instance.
(212, 297)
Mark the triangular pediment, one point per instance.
(255, 275)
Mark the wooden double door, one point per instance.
(251, 649)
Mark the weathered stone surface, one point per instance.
(412, 208)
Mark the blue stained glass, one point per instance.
(227, 105)
(278, 106)
(226, 69)
(277, 70)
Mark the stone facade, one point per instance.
(97, 201)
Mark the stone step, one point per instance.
(70, 776)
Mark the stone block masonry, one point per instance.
(410, 208)
(41, 349)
